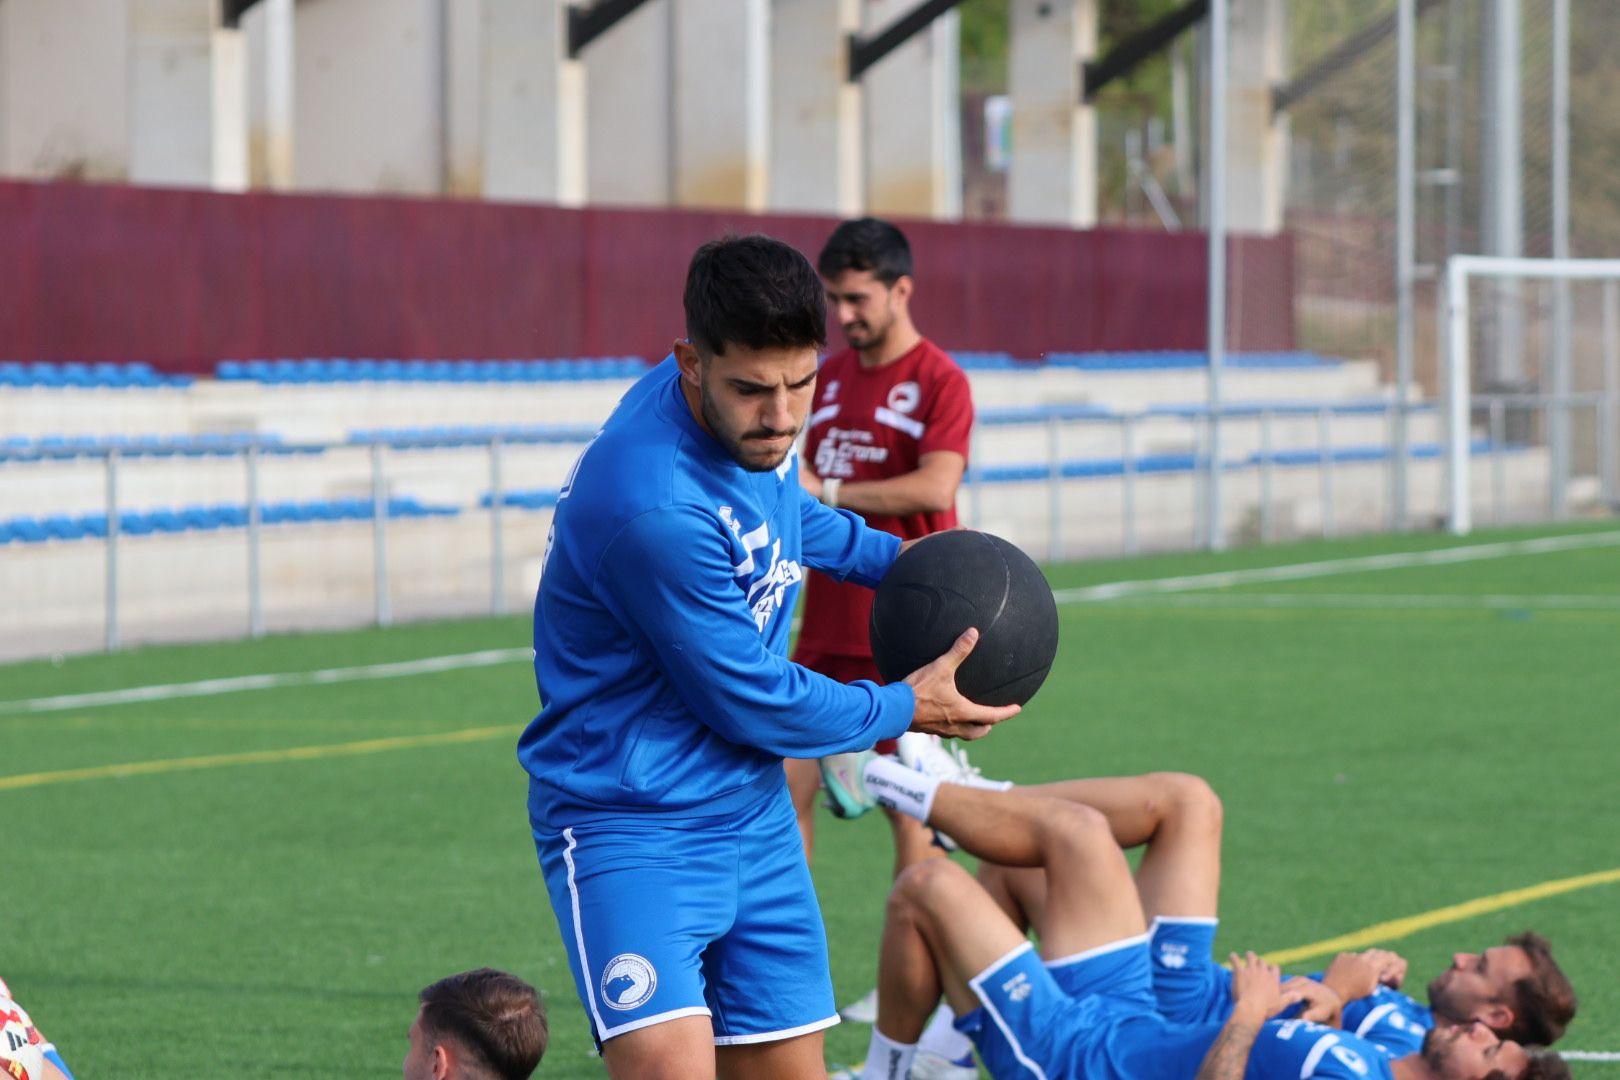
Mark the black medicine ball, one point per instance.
(953, 580)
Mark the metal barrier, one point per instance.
(1052, 425)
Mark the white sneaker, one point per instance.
(852, 1072)
(929, 755)
(863, 1010)
(930, 1066)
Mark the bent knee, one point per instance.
(921, 884)
(1187, 797)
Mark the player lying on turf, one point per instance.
(25, 1054)
(1516, 988)
(1084, 1006)
(479, 1025)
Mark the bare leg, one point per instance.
(804, 780)
(913, 841)
(940, 930)
(1091, 898)
(798, 1058)
(1177, 815)
(680, 1049)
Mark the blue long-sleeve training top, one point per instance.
(661, 625)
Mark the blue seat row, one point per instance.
(1182, 359)
(33, 448)
(474, 434)
(201, 518)
(526, 499)
(317, 370)
(1165, 463)
(118, 376)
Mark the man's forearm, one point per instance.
(1229, 1056)
(912, 493)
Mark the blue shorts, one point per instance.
(1189, 985)
(1089, 1016)
(701, 916)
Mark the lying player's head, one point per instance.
(479, 1025)
(1515, 988)
(755, 320)
(1475, 1052)
(866, 264)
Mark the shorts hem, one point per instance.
(1100, 950)
(776, 1036)
(1183, 920)
(649, 1021)
(990, 969)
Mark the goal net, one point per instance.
(1532, 389)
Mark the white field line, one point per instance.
(1590, 1055)
(1331, 567)
(207, 687)
(1093, 593)
(1379, 601)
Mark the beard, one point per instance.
(868, 336)
(755, 459)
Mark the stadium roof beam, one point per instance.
(586, 24)
(1339, 59)
(866, 51)
(1125, 56)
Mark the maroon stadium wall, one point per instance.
(182, 279)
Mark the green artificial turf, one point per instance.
(1386, 742)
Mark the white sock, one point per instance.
(941, 1037)
(887, 1059)
(899, 788)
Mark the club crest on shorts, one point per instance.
(628, 981)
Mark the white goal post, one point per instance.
(1460, 270)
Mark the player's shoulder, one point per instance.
(935, 360)
(838, 365)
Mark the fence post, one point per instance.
(1127, 478)
(1266, 523)
(1498, 466)
(975, 497)
(379, 535)
(1324, 440)
(255, 584)
(1611, 391)
(497, 538)
(1054, 489)
(110, 606)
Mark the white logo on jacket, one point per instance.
(767, 593)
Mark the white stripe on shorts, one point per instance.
(776, 1036)
(977, 985)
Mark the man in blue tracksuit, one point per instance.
(657, 796)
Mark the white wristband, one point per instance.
(829, 490)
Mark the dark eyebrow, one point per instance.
(807, 380)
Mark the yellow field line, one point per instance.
(255, 757)
(1412, 924)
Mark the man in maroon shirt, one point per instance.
(887, 438)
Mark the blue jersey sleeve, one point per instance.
(667, 577)
(841, 545)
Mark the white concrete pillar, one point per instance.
(721, 93)
(815, 131)
(532, 141)
(267, 33)
(369, 112)
(463, 97)
(628, 75)
(1053, 174)
(171, 92)
(1257, 146)
(64, 79)
(229, 129)
(913, 118)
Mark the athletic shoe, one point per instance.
(930, 1066)
(929, 755)
(846, 789)
(863, 1010)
